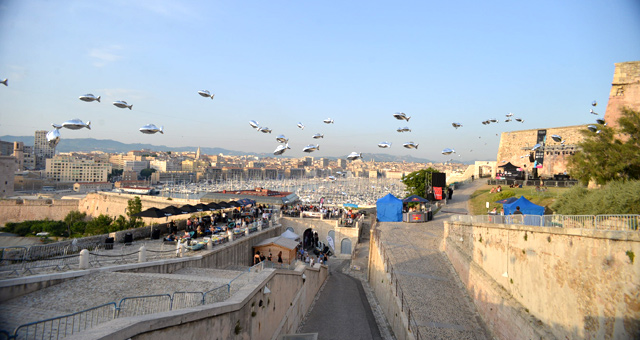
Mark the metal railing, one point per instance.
(66, 325)
(596, 222)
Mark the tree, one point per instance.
(612, 154)
(114, 173)
(416, 181)
(73, 221)
(99, 225)
(146, 173)
(134, 206)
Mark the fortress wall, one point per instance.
(558, 282)
(385, 291)
(625, 90)
(519, 143)
(18, 210)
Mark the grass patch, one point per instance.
(478, 199)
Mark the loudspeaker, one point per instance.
(531, 158)
(439, 179)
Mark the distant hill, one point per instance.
(112, 146)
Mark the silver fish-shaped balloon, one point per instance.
(300, 125)
(282, 139)
(456, 125)
(410, 145)
(206, 94)
(448, 151)
(519, 120)
(493, 120)
(507, 120)
(401, 116)
(384, 145)
(254, 124)
(328, 121)
(339, 173)
(594, 103)
(151, 129)
(404, 129)
(593, 112)
(592, 128)
(486, 122)
(354, 155)
(5, 82)
(509, 114)
(122, 104)
(536, 147)
(318, 135)
(281, 149)
(53, 137)
(264, 130)
(74, 124)
(556, 138)
(89, 97)
(332, 178)
(311, 148)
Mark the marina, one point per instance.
(339, 191)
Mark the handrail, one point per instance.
(621, 222)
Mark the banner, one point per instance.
(330, 241)
(437, 192)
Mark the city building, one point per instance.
(67, 168)
(41, 149)
(84, 187)
(8, 167)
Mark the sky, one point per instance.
(284, 62)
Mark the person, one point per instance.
(171, 237)
(270, 258)
(280, 257)
(502, 211)
(186, 235)
(256, 257)
(494, 211)
(517, 212)
(172, 228)
(311, 261)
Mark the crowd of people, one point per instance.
(219, 221)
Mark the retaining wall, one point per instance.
(537, 282)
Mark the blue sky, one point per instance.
(284, 62)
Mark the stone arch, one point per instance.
(290, 229)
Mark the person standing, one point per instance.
(517, 212)
(280, 257)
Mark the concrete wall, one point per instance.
(536, 282)
(248, 314)
(323, 227)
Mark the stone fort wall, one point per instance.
(538, 282)
(625, 90)
(18, 210)
(516, 144)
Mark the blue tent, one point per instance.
(525, 205)
(389, 209)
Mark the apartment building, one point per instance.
(67, 168)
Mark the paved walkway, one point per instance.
(437, 298)
(346, 308)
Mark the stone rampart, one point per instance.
(18, 210)
(384, 290)
(515, 144)
(537, 282)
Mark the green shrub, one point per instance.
(504, 194)
(617, 197)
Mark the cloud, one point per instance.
(105, 55)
